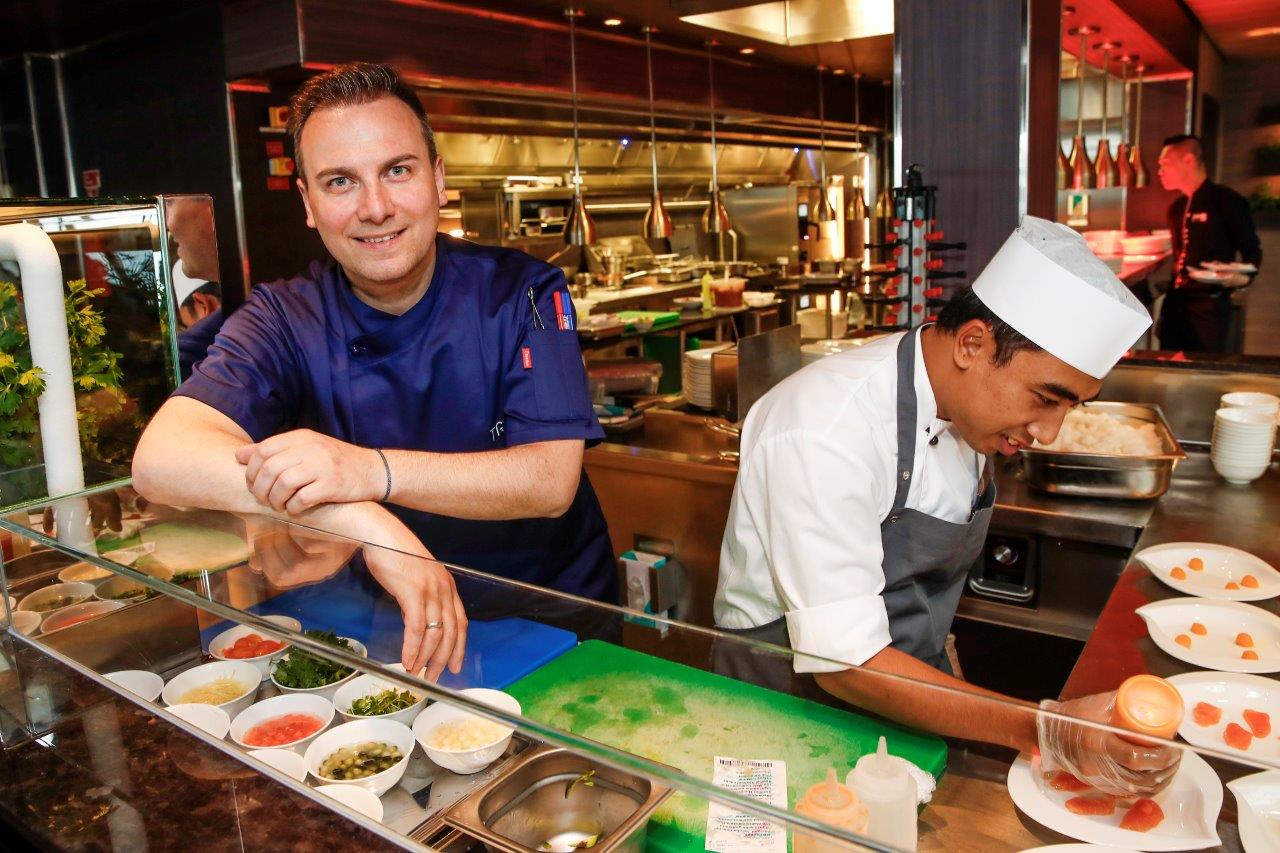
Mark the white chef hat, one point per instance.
(1046, 283)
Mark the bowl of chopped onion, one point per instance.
(460, 740)
(372, 754)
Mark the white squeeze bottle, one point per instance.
(886, 788)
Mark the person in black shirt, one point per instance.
(1208, 222)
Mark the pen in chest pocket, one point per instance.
(537, 318)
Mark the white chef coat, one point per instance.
(817, 476)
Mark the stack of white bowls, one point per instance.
(1244, 435)
(696, 375)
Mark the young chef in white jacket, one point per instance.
(864, 496)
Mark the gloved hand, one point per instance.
(1106, 761)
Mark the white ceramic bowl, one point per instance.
(288, 623)
(108, 590)
(87, 572)
(1250, 400)
(25, 622)
(209, 718)
(138, 682)
(757, 298)
(183, 682)
(362, 731)
(219, 645)
(278, 706)
(359, 799)
(286, 761)
(465, 760)
(329, 689)
(1239, 474)
(1244, 420)
(78, 591)
(77, 613)
(367, 685)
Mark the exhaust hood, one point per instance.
(791, 22)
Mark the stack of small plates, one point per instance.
(1243, 439)
(695, 375)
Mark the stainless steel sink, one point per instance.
(555, 795)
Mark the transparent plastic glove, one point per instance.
(1106, 761)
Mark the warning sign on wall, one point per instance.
(92, 180)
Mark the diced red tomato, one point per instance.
(1259, 722)
(1143, 816)
(1101, 804)
(286, 728)
(1064, 781)
(1237, 737)
(1206, 714)
(251, 646)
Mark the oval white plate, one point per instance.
(1221, 564)
(1232, 693)
(1224, 620)
(356, 798)
(1194, 793)
(1078, 848)
(1258, 807)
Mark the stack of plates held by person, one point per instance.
(695, 374)
(1243, 439)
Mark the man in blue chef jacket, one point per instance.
(413, 391)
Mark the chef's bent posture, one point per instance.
(864, 495)
(413, 391)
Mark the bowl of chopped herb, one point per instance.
(371, 697)
(302, 672)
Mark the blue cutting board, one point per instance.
(499, 652)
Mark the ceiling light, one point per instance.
(613, 22)
(791, 22)
(1260, 32)
(746, 51)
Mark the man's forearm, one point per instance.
(973, 714)
(530, 481)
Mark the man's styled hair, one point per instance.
(967, 306)
(352, 85)
(1188, 143)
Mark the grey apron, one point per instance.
(926, 561)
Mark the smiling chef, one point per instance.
(865, 492)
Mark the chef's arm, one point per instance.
(971, 713)
(536, 480)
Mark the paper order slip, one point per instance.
(730, 831)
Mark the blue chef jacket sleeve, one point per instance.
(545, 384)
(250, 372)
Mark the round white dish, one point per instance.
(329, 689)
(286, 761)
(77, 613)
(86, 572)
(1232, 693)
(245, 673)
(219, 644)
(209, 718)
(1210, 276)
(79, 591)
(367, 685)
(278, 706)
(1190, 804)
(361, 731)
(359, 799)
(1223, 620)
(1258, 809)
(1232, 266)
(465, 761)
(138, 682)
(1222, 564)
(25, 622)
(109, 590)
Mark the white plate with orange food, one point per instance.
(1211, 571)
(1231, 712)
(1224, 635)
(1181, 817)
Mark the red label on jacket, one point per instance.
(527, 357)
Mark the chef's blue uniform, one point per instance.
(473, 366)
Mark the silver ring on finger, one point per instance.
(433, 625)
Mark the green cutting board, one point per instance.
(685, 717)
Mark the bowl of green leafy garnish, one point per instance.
(370, 696)
(302, 672)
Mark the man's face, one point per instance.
(190, 223)
(372, 193)
(1000, 408)
(1175, 167)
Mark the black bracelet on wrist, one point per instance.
(387, 466)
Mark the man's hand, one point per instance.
(288, 556)
(1237, 280)
(1099, 758)
(295, 471)
(435, 624)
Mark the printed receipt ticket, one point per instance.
(730, 831)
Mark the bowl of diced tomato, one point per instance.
(289, 721)
(248, 644)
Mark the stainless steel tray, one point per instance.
(1097, 475)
